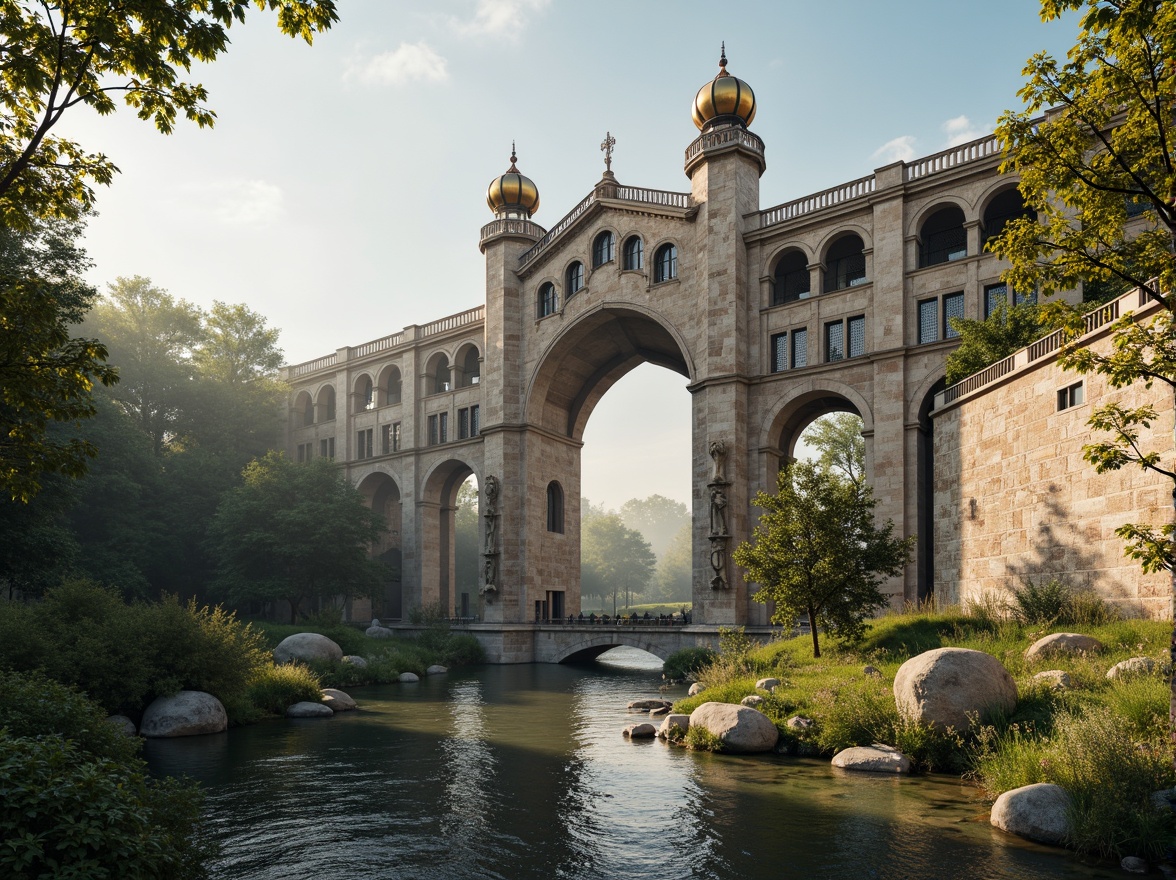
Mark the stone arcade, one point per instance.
(837, 301)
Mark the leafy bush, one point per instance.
(1088, 608)
(702, 740)
(687, 663)
(462, 650)
(1035, 602)
(274, 689)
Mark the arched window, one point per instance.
(845, 263)
(555, 507)
(665, 263)
(393, 386)
(603, 249)
(327, 403)
(574, 279)
(1007, 206)
(546, 300)
(308, 411)
(943, 238)
(441, 375)
(634, 253)
(471, 369)
(791, 278)
(365, 394)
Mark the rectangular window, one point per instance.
(928, 320)
(779, 352)
(385, 439)
(857, 336)
(305, 451)
(327, 448)
(1022, 298)
(432, 430)
(799, 348)
(463, 423)
(953, 307)
(834, 341)
(994, 295)
(1072, 396)
(363, 444)
(396, 436)
(443, 433)
(475, 420)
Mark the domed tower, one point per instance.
(513, 194)
(725, 100)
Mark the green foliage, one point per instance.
(77, 802)
(984, 342)
(675, 568)
(818, 552)
(657, 518)
(1039, 602)
(613, 557)
(734, 643)
(294, 532)
(273, 688)
(687, 663)
(840, 446)
(46, 373)
(700, 739)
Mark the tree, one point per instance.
(818, 552)
(984, 342)
(236, 346)
(657, 517)
(294, 532)
(1100, 170)
(838, 440)
(675, 568)
(613, 557)
(46, 374)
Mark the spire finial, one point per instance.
(513, 159)
(723, 55)
(607, 147)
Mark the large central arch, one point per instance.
(593, 354)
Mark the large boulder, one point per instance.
(944, 686)
(682, 722)
(645, 730)
(188, 713)
(1062, 643)
(646, 705)
(122, 724)
(1037, 812)
(739, 728)
(307, 709)
(306, 647)
(1131, 668)
(378, 632)
(408, 677)
(337, 701)
(877, 758)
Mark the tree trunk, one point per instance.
(812, 616)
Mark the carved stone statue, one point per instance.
(718, 561)
(490, 514)
(492, 489)
(718, 511)
(490, 574)
(718, 451)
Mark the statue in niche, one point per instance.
(490, 574)
(718, 511)
(718, 451)
(490, 514)
(718, 561)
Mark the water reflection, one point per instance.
(521, 771)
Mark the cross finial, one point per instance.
(607, 147)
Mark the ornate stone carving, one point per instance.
(719, 533)
(718, 511)
(490, 546)
(718, 451)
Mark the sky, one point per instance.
(342, 190)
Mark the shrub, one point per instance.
(1088, 608)
(702, 740)
(1039, 603)
(462, 650)
(274, 689)
(687, 663)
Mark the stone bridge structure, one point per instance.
(835, 301)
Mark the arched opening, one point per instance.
(469, 366)
(391, 385)
(634, 253)
(325, 407)
(1007, 205)
(573, 279)
(925, 495)
(615, 383)
(364, 394)
(383, 496)
(545, 302)
(442, 584)
(437, 374)
(942, 237)
(304, 407)
(845, 263)
(665, 263)
(467, 552)
(790, 280)
(555, 507)
(603, 249)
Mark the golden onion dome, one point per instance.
(513, 192)
(724, 99)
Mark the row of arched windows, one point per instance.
(665, 268)
(942, 238)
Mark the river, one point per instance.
(521, 772)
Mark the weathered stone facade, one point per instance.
(834, 301)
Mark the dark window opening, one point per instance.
(665, 266)
(546, 300)
(953, 307)
(555, 507)
(845, 264)
(634, 253)
(791, 280)
(943, 237)
(574, 279)
(603, 249)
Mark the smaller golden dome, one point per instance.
(513, 192)
(724, 99)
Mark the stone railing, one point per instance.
(981, 148)
(568, 219)
(470, 316)
(313, 366)
(375, 345)
(836, 195)
(711, 140)
(512, 226)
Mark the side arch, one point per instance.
(593, 646)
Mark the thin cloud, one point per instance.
(234, 202)
(408, 62)
(960, 130)
(499, 18)
(900, 149)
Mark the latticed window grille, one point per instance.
(857, 336)
(799, 348)
(834, 341)
(779, 352)
(928, 320)
(953, 307)
(994, 295)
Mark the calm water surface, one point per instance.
(521, 771)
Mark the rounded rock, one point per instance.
(307, 647)
(646, 705)
(408, 677)
(752, 701)
(945, 686)
(1054, 679)
(307, 709)
(1063, 643)
(671, 721)
(378, 632)
(767, 684)
(122, 724)
(740, 729)
(695, 689)
(1131, 668)
(1134, 865)
(872, 759)
(1037, 812)
(355, 660)
(337, 701)
(436, 669)
(799, 722)
(644, 730)
(188, 713)
(872, 671)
